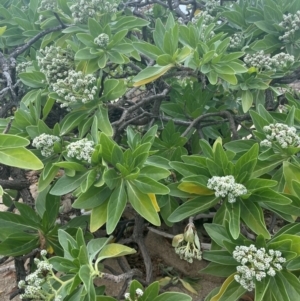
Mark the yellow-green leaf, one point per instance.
(177, 239)
(2, 30)
(188, 287)
(98, 216)
(114, 250)
(142, 203)
(20, 157)
(223, 288)
(150, 74)
(152, 197)
(195, 188)
(164, 281)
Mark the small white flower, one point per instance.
(256, 264)
(127, 296)
(81, 150)
(139, 292)
(226, 186)
(45, 143)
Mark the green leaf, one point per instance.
(148, 49)
(117, 38)
(260, 288)
(70, 165)
(148, 185)
(247, 100)
(291, 283)
(66, 241)
(95, 245)
(234, 218)
(20, 157)
(86, 39)
(157, 173)
(134, 285)
(67, 184)
(151, 291)
(103, 121)
(64, 265)
(258, 183)
(85, 276)
(267, 195)
(191, 207)
(220, 256)
(33, 79)
(164, 60)
(113, 89)
(84, 54)
(46, 177)
(252, 215)
(93, 197)
(172, 296)
(246, 164)
(219, 270)
(12, 141)
(115, 208)
(71, 121)
(98, 216)
(230, 290)
(291, 173)
(142, 204)
(19, 244)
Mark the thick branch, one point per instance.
(288, 79)
(139, 239)
(14, 184)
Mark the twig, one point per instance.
(122, 277)
(24, 47)
(223, 114)
(8, 126)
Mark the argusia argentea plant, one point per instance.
(163, 110)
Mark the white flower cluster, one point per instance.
(21, 67)
(256, 264)
(226, 186)
(187, 245)
(84, 9)
(211, 5)
(138, 293)
(283, 134)
(291, 24)
(47, 5)
(45, 143)
(207, 20)
(33, 282)
(236, 40)
(55, 63)
(76, 87)
(102, 40)
(265, 61)
(81, 150)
